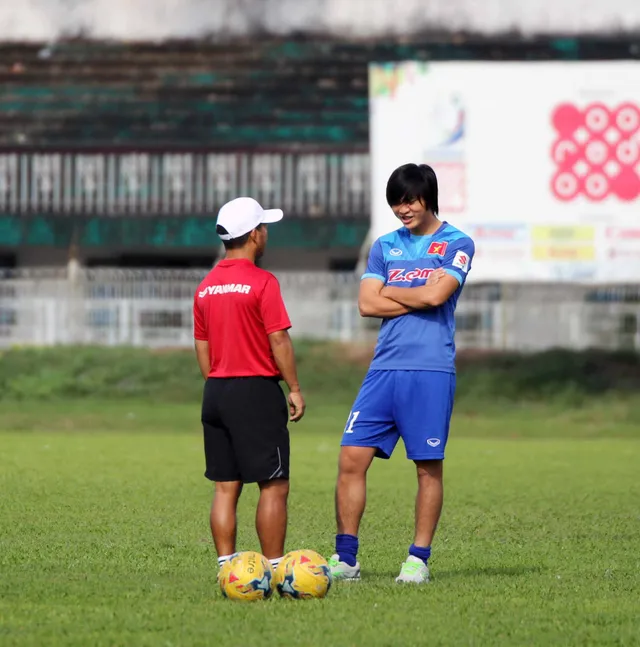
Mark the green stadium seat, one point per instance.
(274, 91)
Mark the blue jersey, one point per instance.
(422, 339)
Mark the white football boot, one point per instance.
(342, 570)
(413, 571)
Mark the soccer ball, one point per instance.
(246, 576)
(303, 574)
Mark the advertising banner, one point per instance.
(539, 162)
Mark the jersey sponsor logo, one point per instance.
(400, 275)
(438, 249)
(395, 252)
(227, 288)
(461, 261)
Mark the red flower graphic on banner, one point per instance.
(596, 152)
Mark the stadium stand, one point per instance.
(254, 94)
(287, 120)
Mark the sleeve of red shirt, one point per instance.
(199, 326)
(272, 308)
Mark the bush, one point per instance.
(329, 370)
(552, 375)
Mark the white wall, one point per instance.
(158, 19)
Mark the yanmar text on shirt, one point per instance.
(236, 307)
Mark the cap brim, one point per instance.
(272, 215)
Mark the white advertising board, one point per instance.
(538, 162)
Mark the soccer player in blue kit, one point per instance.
(413, 280)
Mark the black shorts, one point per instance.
(245, 429)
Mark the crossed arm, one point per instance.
(372, 303)
(376, 300)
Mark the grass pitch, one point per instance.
(104, 537)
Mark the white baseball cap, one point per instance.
(242, 215)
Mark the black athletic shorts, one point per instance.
(245, 429)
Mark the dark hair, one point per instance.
(412, 182)
(234, 243)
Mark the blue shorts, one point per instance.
(413, 405)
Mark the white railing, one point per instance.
(141, 182)
(154, 308)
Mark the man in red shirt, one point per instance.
(244, 350)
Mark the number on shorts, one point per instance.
(351, 420)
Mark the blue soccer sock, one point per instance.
(347, 549)
(420, 552)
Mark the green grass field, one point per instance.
(104, 538)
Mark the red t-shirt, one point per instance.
(235, 307)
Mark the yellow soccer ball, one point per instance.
(246, 576)
(303, 574)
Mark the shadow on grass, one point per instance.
(489, 571)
